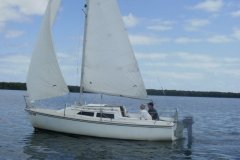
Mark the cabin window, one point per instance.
(105, 115)
(86, 113)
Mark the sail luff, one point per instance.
(44, 78)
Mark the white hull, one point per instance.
(56, 121)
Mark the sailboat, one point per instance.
(108, 67)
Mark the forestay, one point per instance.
(109, 64)
(44, 76)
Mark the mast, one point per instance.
(84, 50)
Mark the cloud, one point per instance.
(187, 40)
(2, 26)
(30, 7)
(15, 59)
(147, 40)
(219, 39)
(175, 75)
(162, 26)
(130, 20)
(187, 61)
(186, 56)
(233, 72)
(185, 68)
(236, 33)
(14, 67)
(151, 56)
(235, 13)
(13, 33)
(209, 5)
(9, 13)
(195, 24)
(194, 65)
(20, 10)
(177, 59)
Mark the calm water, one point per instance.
(216, 132)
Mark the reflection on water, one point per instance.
(51, 145)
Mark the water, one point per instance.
(216, 132)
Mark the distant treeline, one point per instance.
(192, 93)
(13, 86)
(22, 86)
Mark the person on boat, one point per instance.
(144, 115)
(152, 111)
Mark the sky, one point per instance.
(179, 44)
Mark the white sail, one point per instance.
(109, 64)
(45, 79)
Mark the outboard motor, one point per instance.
(187, 123)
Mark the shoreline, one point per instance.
(152, 92)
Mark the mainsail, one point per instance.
(109, 64)
(45, 79)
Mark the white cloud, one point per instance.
(176, 75)
(13, 34)
(187, 61)
(159, 28)
(147, 40)
(178, 60)
(210, 5)
(14, 67)
(235, 13)
(9, 13)
(193, 57)
(2, 26)
(187, 40)
(195, 24)
(236, 33)
(30, 7)
(198, 22)
(162, 26)
(185, 67)
(231, 62)
(130, 20)
(219, 39)
(19, 10)
(15, 59)
(198, 65)
(232, 72)
(184, 60)
(151, 56)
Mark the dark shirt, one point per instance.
(154, 114)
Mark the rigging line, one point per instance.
(78, 55)
(84, 12)
(157, 76)
(163, 91)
